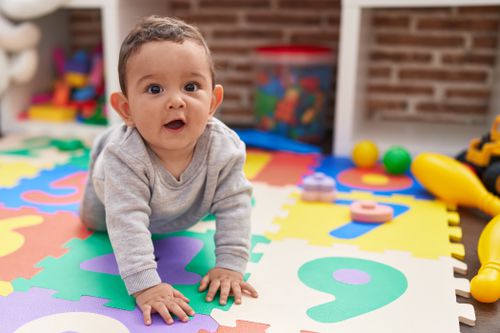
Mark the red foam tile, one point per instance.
(242, 326)
(75, 182)
(287, 168)
(40, 241)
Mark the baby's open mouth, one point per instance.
(175, 124)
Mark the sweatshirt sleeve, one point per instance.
(232, 208)
(126, 196)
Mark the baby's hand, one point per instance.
(229, 282)
(164, 299)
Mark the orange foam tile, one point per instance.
(39, 240)
(286, 168)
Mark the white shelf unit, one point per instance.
(350, 124)
(117, 18)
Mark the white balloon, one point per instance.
(18, 55)
(23, 66)
(4, 72)
(29, 9)
(15, 38)
(81, 322)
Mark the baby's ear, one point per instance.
(119, 102)
(217, 97)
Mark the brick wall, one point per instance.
(424, 64)
(233, 28)
(432, 65)
(85, 29)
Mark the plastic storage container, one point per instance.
(293, 85)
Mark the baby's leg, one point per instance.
(92, 211)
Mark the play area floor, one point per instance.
(316, 270)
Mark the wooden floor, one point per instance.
(487, 315)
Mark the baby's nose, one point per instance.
(176, 102)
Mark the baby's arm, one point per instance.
(232, 207)
(126, 198)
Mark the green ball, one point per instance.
(397, 160)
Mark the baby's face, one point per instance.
(170, 95)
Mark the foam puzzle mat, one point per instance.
(316, 270)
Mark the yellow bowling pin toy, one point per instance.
(485, 286)
(453, 182)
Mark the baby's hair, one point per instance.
(156, 28)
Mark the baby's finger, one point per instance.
(235, 286)
(146, 314)
(180, 295)
(247, 287)
(178, 311)
(188, 309)
(225, 288)
(212, 290)
(164, 313)
(204, 283)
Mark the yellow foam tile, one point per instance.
(255, 162)
(455, 233)
(458, 251)
(423, 230)
(10, 240)
(6, 288)
(12, 172)
(453, 218)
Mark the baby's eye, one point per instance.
(154, 89)
(192, 86)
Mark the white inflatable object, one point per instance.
(4, 72)
(19, 37)
(23, 66)
(29, 9)
(18, 42)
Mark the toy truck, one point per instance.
(483, 156)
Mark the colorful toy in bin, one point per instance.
(48, 112)
(292, 88)
(368, 211)
(318, 187)
(78, 92)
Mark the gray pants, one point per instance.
(92, 212)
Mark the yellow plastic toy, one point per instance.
(453, 182)
(365, 154)
(485, 286)
(76, 80)
(47, 112)
(483, 155)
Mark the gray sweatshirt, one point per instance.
(131, 195)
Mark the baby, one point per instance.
(167, 166)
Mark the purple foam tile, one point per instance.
(102, 264)
(351, 276)
(20, 308)
(173, 255)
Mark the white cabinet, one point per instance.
(118, 17)
(350, 124)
